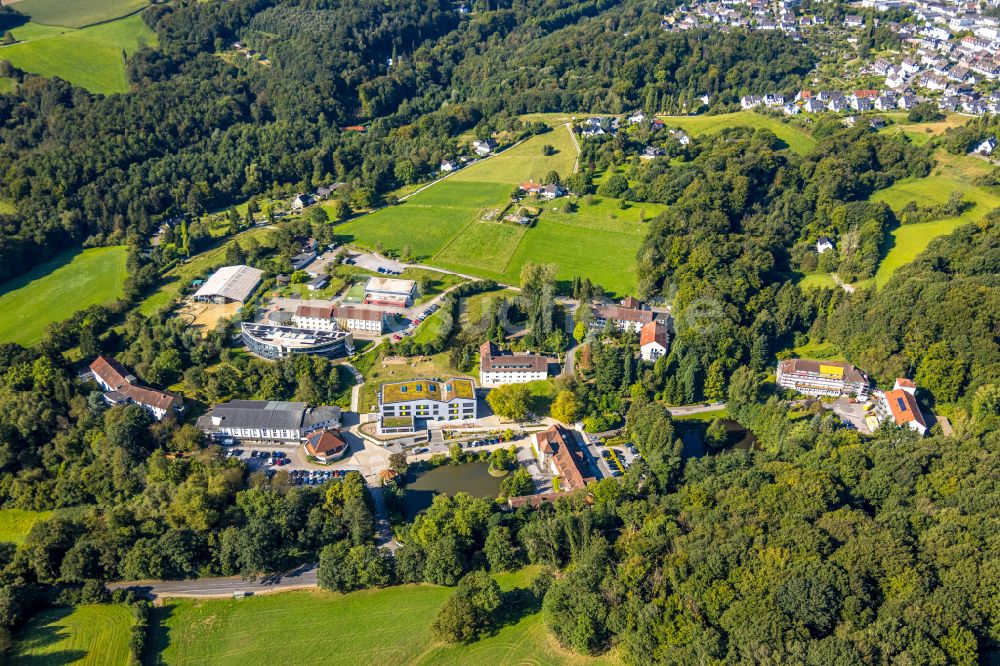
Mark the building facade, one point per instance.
(269, 420)
(558, 454)
(272, 342)
(390, 291)
(122, 388)
(498, 367)
(654, 341)
(402, 405)
(829, 378)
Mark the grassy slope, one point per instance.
(442, 224)
(796, 139)
(296, 627)
(90, 58)
(55, 290)
(89, 634)
(952, 174)
(78, 13)
(16, 523)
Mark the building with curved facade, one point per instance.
(272, 342)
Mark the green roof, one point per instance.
(397, 421)
(427, 389)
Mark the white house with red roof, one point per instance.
(900, 405)
(654, 340)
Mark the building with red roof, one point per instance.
(654, 340)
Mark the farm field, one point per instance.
(396, 630)
(797, 140)
(90, 57)
(55, 290)
(16, 523)
(526, 161)
(952, 174)
(78, 13)
(89, 634)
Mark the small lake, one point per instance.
(473, 478)
(693, 436)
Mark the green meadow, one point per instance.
(94, 635)
(89, 57)
(78, 13)
(796, 139)
(55, 290)
(443, 224)
(16, 523)
(951, 174)
(390, 626)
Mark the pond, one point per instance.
(693, 436)
(473, 478)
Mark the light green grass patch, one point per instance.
(90, 58)
(16, 523)
(952, 174)
(90, 634)
(819, 349)
(706, 417)
(796, 139)
(77, 13)
(486, 245)
(817, 281)
(526, 161)
(55, 290)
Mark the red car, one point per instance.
(396, 338)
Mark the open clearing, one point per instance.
(16, 523)
(951, 174)
(55, 290)
(90, 634)
(78, 13)
(396, 630)
(795, 138)
(442, 224)
(90, 57)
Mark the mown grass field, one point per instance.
(952, 174)
(796, 139)
(390, 626)
(16, 523)
(91, 635)
(53, 291)
(90, 57)
(77, 13)
(526, 162)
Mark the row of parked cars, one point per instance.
(388, 271)
(314, 477)
(476, 443)
(416, 322)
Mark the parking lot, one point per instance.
(270, 459)
(373, 263)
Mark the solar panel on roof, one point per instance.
(902, 405)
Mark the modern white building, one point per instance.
(272, 341)
(654, 341)
(269, 420)
(348, 317)
(498, 367)
(830, 378)
(401, 405)
(390, 291)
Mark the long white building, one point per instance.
(269, 420)
(498, 367)
(402, 404)
(830, 378)
(349, 318)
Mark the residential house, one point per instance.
(900, 405)
(121, 388)
(823, 243)
(498, 367)
(326, 446)
(987, 146)
(449, 165)
(484, 147)
(654, 340)
(301, 201)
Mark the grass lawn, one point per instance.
(429, 329)
(796, 139)
(415, 367)
(53, 291)
(90, 634)
(819, 349)
(16, 523)
(90, 58)
(442, 224)
(395, 630)
(952, 174)
(78, 13)
(817, 280)
(706, 417)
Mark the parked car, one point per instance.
(396, 338)
(421, 449)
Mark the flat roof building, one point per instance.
(402, 404)
(269, 420)
(271, 341)
(830, 378)
(230, 284)
(390, 291)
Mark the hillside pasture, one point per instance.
(94, 635)
(796, 139)
(396, 630)
(16, 523)
(525, 161)
(90, 57)
(952, 174)
(53, 291)
(78, 13)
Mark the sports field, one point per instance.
(952, 174)
(91, 634)
(16, 523)
(53, 291)
(390, 626)
(444, 224)
(795, 138)
(90, 57)
(78, 13)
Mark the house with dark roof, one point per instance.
(269, 420)
(830, 378)
(326, 446)
(122, 388)
(498, 367)
(559, 454)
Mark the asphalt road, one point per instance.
(302, 577)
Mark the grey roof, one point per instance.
(233, 282)
(269, 414)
